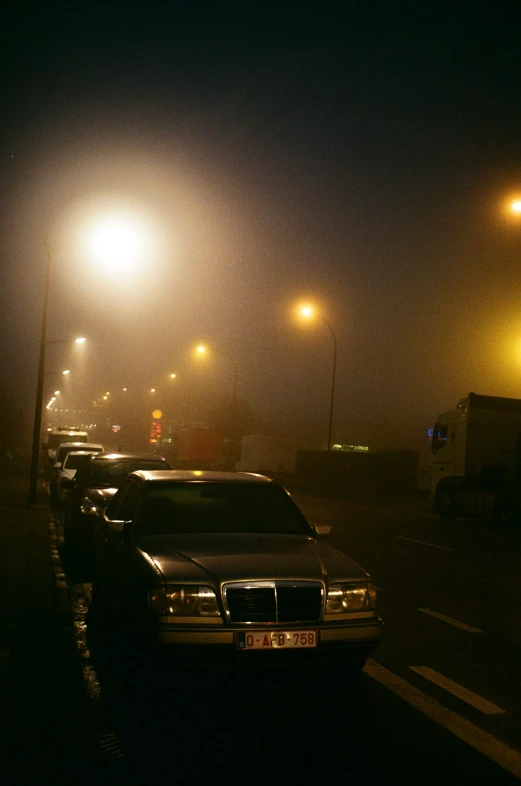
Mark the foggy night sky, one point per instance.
(355, 154)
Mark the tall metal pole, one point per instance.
(33, 480)
(333, 377)
(234, 400)
(234, 394)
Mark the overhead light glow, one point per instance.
(118, 243)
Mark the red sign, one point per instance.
(116, 428)
(155, 431)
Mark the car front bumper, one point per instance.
(351, 642)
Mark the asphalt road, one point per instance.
(439, 701)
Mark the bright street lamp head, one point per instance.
(56, 392)
(515, 206)
(173, 376)
(80, 340)
(66, 372)
(306, 311)
(201, 349)
(117, 242)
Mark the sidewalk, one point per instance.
(45, 732)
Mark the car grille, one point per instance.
(274, 602)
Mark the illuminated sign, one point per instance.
(157, 414)
(155, 431)
(116, 428)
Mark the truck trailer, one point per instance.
(476, 459)
(268, 454)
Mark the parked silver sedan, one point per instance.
(223, 564)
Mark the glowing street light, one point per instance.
(117, 241)
(309, 312)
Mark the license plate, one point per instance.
(276, 640)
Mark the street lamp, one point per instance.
(308, 312)
(202, 350)
(35, 455)
(33, 479)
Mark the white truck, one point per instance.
(57, 437)
(268, 454)
(476, 459)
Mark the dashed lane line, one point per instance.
(451, 621)
(424, 543)
(495, 750)
(458, 690)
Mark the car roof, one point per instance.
(205, 476)
(129, 457)
(80, 453)
(70, 431)
(75, 444)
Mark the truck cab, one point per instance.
(476, 457)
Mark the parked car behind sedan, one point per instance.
(71, 463)
(91, 490)
(61, 454)
(225, 564)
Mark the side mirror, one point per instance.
(57, 465)
(322, 530)
(118, 527)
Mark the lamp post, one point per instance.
(308, 312)
(33, 478)
(201, 350)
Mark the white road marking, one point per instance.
(466, 695)
(424, 543)
(495, 750)
(451, 621)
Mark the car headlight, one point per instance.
(89, 508)
(356, 596)
(190, 601)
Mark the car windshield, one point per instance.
(75, 460)
(219, 508)
(112, 472)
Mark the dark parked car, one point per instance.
(225, 564)
(92, 488)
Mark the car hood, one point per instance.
(100, 497)
(252, 557)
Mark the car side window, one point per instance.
(130, 504)
(125, 502)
